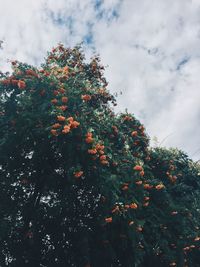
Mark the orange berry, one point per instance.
(63, 108)
(125, 187)
(101, 152)
(115, 129)
(66, 129)
(56, 125)
(66, 69)
(172, 264)
(101, 91)
(86, 97)
(74, 124)
(133, 206)
(61, 118)
(134, 133)
(173, 178)
(115, 209)
(89, 140)
(108, 220)
(31, 72)
(5, 82)
(146, 204)
(92, 151)
(141, 127)
(127, 118)
(104, 162)
(62, 90)
(174, 212)
(55, 92)
(148, 186)
(131, 223)
(70, 119)
(46, 73)
(98, 146)
(142, 173)
(138, 168)
(21, 84)
(138, 182)
(78, 174)
(54, 101)
(64, 99)
(159, 186)
(14, 82)
(54, 132)
(88, 134)
(102, 157)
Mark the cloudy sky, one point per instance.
(151, 48)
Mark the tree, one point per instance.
(80, 185)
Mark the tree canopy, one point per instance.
(79, 183)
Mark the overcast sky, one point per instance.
(151, 47)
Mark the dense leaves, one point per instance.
(79, 184)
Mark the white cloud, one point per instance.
(151, 47)
(144, 49)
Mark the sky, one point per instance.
(151, 50)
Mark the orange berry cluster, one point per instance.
(127, 118)
(21, 84)
(115, 209)
(115, 129)
(86, 97)
(142, 129)
(72, 124)
(134, 133)
(138, 182)
(64, 99)
(147, 186)
(108, 220)
(159, 186)
(97, 150)
(125, 186)
(169, 173)
(78, 174)
(139, 169)
(133, 206)
(89, 139)
(146, 201)
(31, 73)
